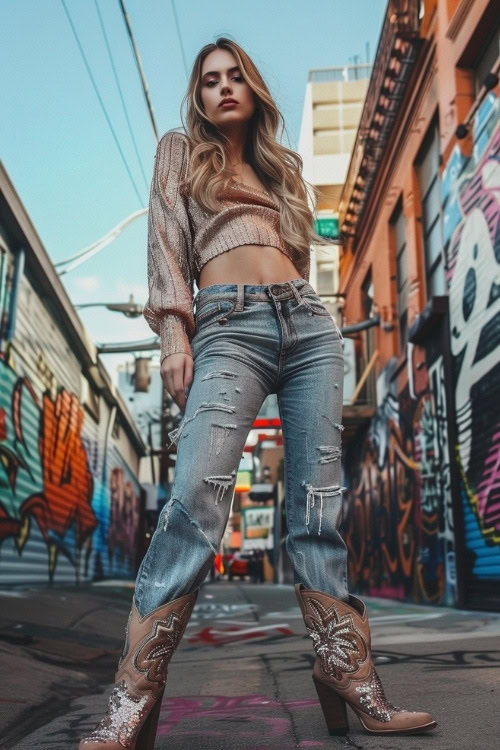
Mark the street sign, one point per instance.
(327, 226)
(257, 528)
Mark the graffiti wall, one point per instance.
(67, 512)
(397, 518)
(471, 206)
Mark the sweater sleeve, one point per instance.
(169, 308)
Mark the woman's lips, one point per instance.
(228, 104)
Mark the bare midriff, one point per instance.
(248, 264)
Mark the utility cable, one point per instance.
(122, 99)
(88, 252)
(179, 37)
(75, 34)
(144, 83)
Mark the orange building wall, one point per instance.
(419, 517)
(439, 88)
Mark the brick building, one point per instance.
(420, 212)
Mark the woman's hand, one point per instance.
(177, 374)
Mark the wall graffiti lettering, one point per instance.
(397, 514)
(398, 519)
(472, 245)
(50, 493)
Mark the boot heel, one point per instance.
(334, 709)
(147, 735)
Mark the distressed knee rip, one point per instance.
(218, 436)
(166, 517)
(313, 493)
(166, 512)
(174, 435)
(219, 374)
(337, 425)
(329, 453)
(221, 483)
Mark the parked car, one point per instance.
(239, 565)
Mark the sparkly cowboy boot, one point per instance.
(134, 705)
(344, 671)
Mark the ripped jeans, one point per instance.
(251, 341)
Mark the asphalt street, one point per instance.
(241, 677)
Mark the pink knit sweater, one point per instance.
(182, 237)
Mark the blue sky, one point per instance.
(58, 148)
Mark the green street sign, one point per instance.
(327, 227)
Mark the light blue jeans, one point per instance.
(251, 341)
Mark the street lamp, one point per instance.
(130, 309)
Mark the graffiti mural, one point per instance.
(398, 519)
(471, 204)
(397, 513)
(124, 517)
(52, 502)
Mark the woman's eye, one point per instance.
(234, 78)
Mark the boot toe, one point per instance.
(402, 722)
(415, 720)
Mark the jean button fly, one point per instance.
(276, 289)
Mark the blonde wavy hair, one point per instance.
(278, 168)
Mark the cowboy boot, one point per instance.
(344, 671)
(135, 702)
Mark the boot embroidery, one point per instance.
(335, 639)
(373, 701)
(156, 651)
(125, 714)
(133, 698)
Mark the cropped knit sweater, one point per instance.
(182, 237)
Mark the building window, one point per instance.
(367, 300)
(89, 398)
(398, 225)
(427, 167)
(488, 59)
(368, 393)
(325, 277)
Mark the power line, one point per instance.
(122, 99)
(179, 37)
(95, 247)
(75, 34)
(137, 56)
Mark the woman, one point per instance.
(229, 209)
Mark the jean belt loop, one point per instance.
(240, 298)
(295, 291)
